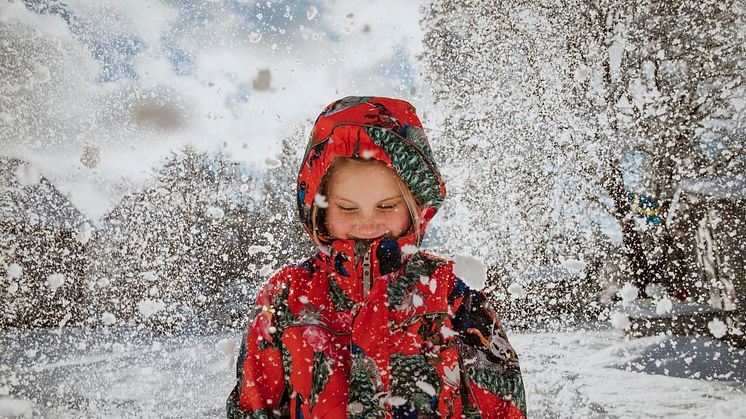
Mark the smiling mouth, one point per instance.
(366, 239)
(385, 235)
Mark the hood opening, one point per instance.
(377, 128)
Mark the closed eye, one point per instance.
(346, 209)
(388, 206)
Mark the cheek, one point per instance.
(399, 221)
(336, 223)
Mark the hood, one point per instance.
(372, 127)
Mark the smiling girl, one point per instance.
(370, 326)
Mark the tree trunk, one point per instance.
(639, 268)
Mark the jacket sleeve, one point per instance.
(260, 377)
(491, 381)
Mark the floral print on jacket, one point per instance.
(371, 329)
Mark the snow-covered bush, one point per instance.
(42, 260)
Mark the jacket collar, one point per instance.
(343, 260)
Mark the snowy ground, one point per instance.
(585, 373)
(599, 374)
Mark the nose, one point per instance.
(370, 227)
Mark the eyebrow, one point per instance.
(353, 202)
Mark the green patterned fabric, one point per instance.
(415, 166)
(345, 103)
(507, 385)
(418, 266)
(410, 375)
(363, 389)
(321, 373)
(339, 298)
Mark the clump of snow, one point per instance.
(272, 163)
(14, 271)
(355, 408)
(255, 37)
(573, 265)
(303, 299)
(396, 401)
(620, 320)
(215, 212)
(426, 387)
(64, 320)
(263, 79)
(312, 12)
(84, 233)
(433, 285)
(149, 276)
(266, 270)
(226, 346)
(717, 328)
(55, 281)
(409, 249)
(581, 73)
(320, 200)
(416, 299)
(12, 288)
(664, 306)
(616, 53)
(452, 375)
(655, 290)
(108, 319)
(11, 408)
(367, 154)
(447, 332)
(149, 307)
(516, 290)
(27, 175)
(91, 156)
(471, 270)
(254, 249)
(628, 292)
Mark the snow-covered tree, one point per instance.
(180, 248)
(288, 240)
(663, 81)
(519, 170)
(555, 104)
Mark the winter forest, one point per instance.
(593, 153)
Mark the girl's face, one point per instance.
(365, 201)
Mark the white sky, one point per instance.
(61, 100)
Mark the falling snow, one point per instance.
(593, 155)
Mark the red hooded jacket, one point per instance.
(374, 328)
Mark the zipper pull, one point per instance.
(366, 273)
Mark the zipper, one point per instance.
(366, 273)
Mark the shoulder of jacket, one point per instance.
(465, 274)
(282, 277)
(288, 273)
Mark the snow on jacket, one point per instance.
(374, 328)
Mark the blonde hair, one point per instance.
(318, 214)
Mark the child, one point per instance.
(370, 326)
